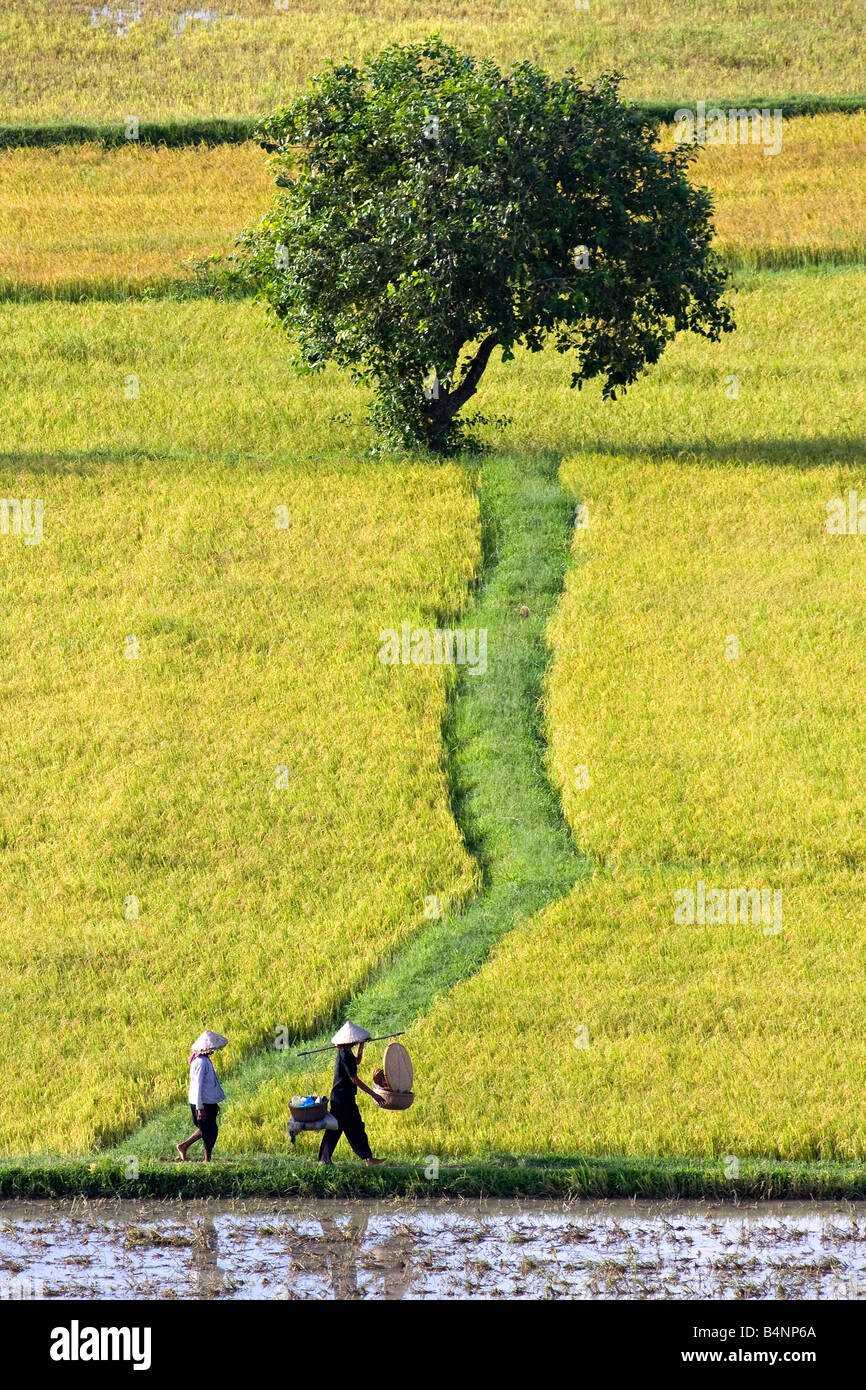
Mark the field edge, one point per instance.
(230, 130)
(568, 1178)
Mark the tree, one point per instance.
(430, 209)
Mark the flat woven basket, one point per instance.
(395, 1100)
(309, 1114)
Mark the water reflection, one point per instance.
(207, 1277)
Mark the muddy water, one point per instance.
(394, 1250)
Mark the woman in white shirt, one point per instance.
(205, 1093)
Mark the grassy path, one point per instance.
(503, 802)
(530, 1177)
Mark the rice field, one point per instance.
(799, 385)
(611, 1023)
(217, 803)
(211, 378)
(214, 378)
(86, 221)
(685, 758)
(711, 653)
(804, 205)
(605, 1027)
(65, 60)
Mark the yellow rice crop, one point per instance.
(603, 1027)
(73, 216)
(711, 653)
(112, 800)
(742, 770)
(713, 1039)
(231, 823)
(85, 218)
(211, 377)
(808, 202)
(745, 772)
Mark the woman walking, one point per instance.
(205, 1093)
(344, 1104)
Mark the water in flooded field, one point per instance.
(395, 1250)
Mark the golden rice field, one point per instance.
(82, 219)
(217, 803)
(702, 1040)
(154, 777)
(220, 809)
(710, 659)
(78, 218)
(214, 379)
(243, 57)
(805, 204)
(797, 358)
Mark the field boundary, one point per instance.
(227, 130)
(216, 281)
(566, 1178)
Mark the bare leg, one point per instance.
(207, 1154)
(330, 1139)
(182, 1148)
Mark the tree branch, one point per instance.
(446, 404)
(474, 372)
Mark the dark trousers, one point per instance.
(208, 1125)
(348, 1117)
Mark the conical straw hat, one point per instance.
(351, 1033)
(208, 1041)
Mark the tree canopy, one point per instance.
(430, 209)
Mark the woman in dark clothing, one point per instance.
(344, 1104)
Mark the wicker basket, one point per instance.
(309, 1114)
(394, 1100)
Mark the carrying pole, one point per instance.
(381, 1038)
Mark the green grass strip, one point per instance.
(224, 286)
(113, 291)
(193, 130)
(794, 104)
(221, 130)
(490, 1177)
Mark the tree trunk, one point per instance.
(445, 404)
